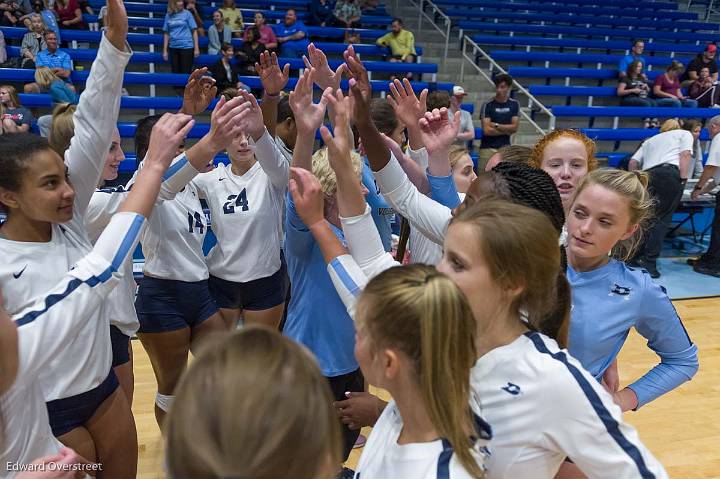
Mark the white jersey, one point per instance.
(541, 404)
(103, 205)
(247, 214)
(29, 269)
(46, 327)
(664, 148)
(543, 407)
(423, 250)
(383, 457)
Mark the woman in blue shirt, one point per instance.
(180, 38)
(609, 298)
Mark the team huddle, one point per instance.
(497, 345)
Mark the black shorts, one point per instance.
(69, 413)
(164, 305)
(120, 346)
(255, 295)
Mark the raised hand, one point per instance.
(273, 79)
(325, 77)
(226, 122)
(338, 142)
(439, 130)
(308, 115)
(308, 196)
(359, 86)
(251, 117)
(166, 137)
(200, 91)
(408, 107)
(117, 24)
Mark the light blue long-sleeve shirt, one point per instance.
(443, 190)
(606, 303)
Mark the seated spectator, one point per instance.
(13, 11)
(347, 14)
(233, 17)
(191, 6)
(292, 36)
(633, 90)
(250, 51)
(218, 33)
(70, 15)
(667, 88)
(704, 90)
(56, 60)
(60, 94)
(706, 59)
(320, 13)
(48, 15)
(635, 55)
(400, 41)
(15, 118)
(225, 71)
(33, 41)
(267, 35)
(467, 129)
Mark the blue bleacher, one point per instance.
(577, 58)
(603, 74)
(632, 112)
(580, 3)
(562, 43)
(562, 8)
(671, 25)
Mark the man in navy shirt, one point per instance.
(292, 35)
(499, 120)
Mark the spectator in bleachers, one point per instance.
(400, 41)
(499, 118)
(56, 60)
(635, 55)
(704, 89)
(191, 6)
(33, 42)
(48, 15)
(70, 15)
(467, 129)
(667, 88)
(60, 94)
(225, 71)
(233, 17)
(320, 13)
(696, 161)
(709, 262)
(666, 158)
(250, 51)
(267, 35)
(633, 90)
(180, 38)
(218, 33)
(347, 14)
(15, 118)
(706, 59)
(292, 36)
(13, 11)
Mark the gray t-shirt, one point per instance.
(466, 124)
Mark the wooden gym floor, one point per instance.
(682, 428)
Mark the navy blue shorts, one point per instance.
(164, 305)
(255, 295)
(69, 413)
(120, 346)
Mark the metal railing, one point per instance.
(435, 12)
(534, 105)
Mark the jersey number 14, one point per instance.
(239, 200)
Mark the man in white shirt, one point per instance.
(666, 158)
(709, 262)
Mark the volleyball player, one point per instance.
(247, 200)
(609, 298)
(173, 304)
(67, 312)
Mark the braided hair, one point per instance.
(535, 189)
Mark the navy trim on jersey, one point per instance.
(345, 277)
(174, 168)
(128, 242)
(443, 466)
(612, 426)
(662, 288)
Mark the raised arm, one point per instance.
(409, 109)
(273, 81)
(438, 130)
(200, 91)
(308, 118)
(97, 112)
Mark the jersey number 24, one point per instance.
(239, 200)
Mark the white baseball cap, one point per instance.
(458, 91)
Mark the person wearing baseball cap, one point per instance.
(706, 59)
(467, 129)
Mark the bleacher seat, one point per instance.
(563, 43)
(479, 6)
(580, 3)
(632, 112)
(577, 58)
(672, 25)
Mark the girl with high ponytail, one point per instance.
(605, 226)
